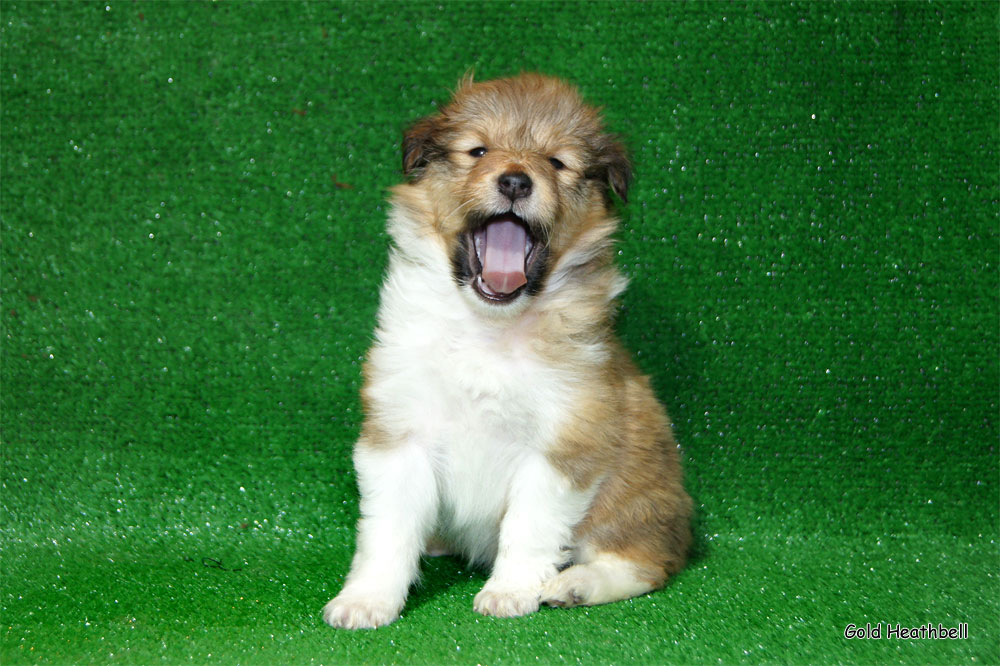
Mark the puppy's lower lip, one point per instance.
(487, 293)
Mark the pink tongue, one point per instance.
(503, 256)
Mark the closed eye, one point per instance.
(557, 164)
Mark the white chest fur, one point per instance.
(470, 392)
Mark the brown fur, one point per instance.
(603, 432)
(620, 432)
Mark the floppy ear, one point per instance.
(618, 170)
(421, 144)
(611, 166)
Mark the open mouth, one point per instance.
(504, 253)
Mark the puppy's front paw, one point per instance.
(498, 602)
(354, 611)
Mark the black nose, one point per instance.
(514, 185)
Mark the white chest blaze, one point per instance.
(468, 391)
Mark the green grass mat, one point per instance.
(192, 208)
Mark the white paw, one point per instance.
(572, 587)
(506, 602)
(354, 611)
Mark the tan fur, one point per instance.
(620, 430)
(615, 441)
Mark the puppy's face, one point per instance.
(517, 169)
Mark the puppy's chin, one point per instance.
(500, 261)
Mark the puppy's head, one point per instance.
(517, 169)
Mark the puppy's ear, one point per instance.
(617, 168)
(610, 165)
(421, 144)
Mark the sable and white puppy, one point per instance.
(503, 420)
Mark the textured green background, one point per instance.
(192, 228)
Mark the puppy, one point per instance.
(503, 420)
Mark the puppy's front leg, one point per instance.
(398, 507)
(542, 510)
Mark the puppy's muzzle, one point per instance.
(502, 255)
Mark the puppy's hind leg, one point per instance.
(600, 579)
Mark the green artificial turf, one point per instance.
(192, 207)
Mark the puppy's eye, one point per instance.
(478, 152)
(558, 165)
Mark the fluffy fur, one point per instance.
(506, 423)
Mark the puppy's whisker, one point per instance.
(462, 207)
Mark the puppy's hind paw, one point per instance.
(603, 581)
(566, 591)
(355, 612)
